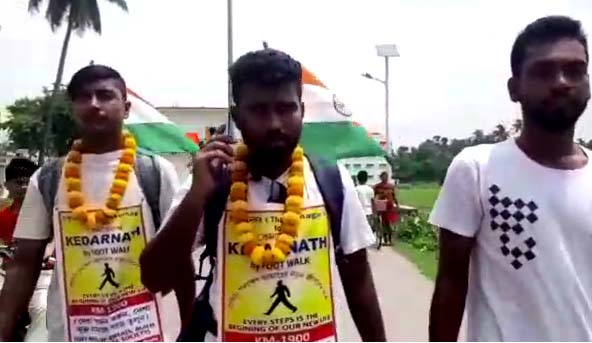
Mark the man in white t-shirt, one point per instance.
(305, 297)
(78, 308)
(515, 217)
(365, 194)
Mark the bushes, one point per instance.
(418, 232)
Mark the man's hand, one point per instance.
(360, 293)
(21, 277)
(448, 303)
(216, 155)
(176, 238)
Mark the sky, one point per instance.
(449, 80)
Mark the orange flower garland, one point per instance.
(268, 253)
(75, 196)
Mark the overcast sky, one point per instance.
(449, 80)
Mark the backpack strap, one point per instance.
(147, 171)
(328, 178)
(213, 210)
(48, 181)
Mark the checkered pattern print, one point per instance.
(510, 218)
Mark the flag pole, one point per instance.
(230, 60)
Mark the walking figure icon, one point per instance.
(282, 293)
(109, 274)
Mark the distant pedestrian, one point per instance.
(385, 194)
(366, 195)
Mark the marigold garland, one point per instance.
(75, 197)
(270, 252)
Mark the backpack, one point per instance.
(147, 172)
(328, 178)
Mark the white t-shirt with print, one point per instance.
(366, 195)
(531, 268)
(355, 235)
(97, 173)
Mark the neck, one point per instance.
(271, 169)
(101, 145)
(543, 145)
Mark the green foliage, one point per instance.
(82, 13)
(418, 233)
(28, 123)
(429, 161)
(426, 261)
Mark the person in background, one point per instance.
(17, 175)
(516, 230)
(385, 192)
(366, 195)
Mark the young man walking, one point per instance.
(290, 220)
(515, 216)
(101, 204)
(365, 195)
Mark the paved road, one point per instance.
(404, 296)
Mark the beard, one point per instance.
(273, 153)
(555, 119)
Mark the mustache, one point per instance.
(276, 135)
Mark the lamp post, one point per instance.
(386, 51)
(230, 60)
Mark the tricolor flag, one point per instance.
(153, 131)
(328, 127)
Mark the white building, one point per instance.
(196, 120)
(373, 165)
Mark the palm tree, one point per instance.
(79, 15)
(500, 133)
(478, 137)
(517, 126)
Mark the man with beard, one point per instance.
(279, 224)
(518, 212)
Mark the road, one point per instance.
(404, 296)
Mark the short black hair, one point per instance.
(93, 73)
(545, 30)
(267, 67)
(362, 176)
(19, 167)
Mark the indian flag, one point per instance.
(153, 131)
(328, 127)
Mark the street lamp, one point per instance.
(386, 51)
(229, 50)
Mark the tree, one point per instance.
(478, 137)
(26, 124)
(500, 133)
(79, 16)
(517, 126)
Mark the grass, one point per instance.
(421, 196)
(426, 261)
